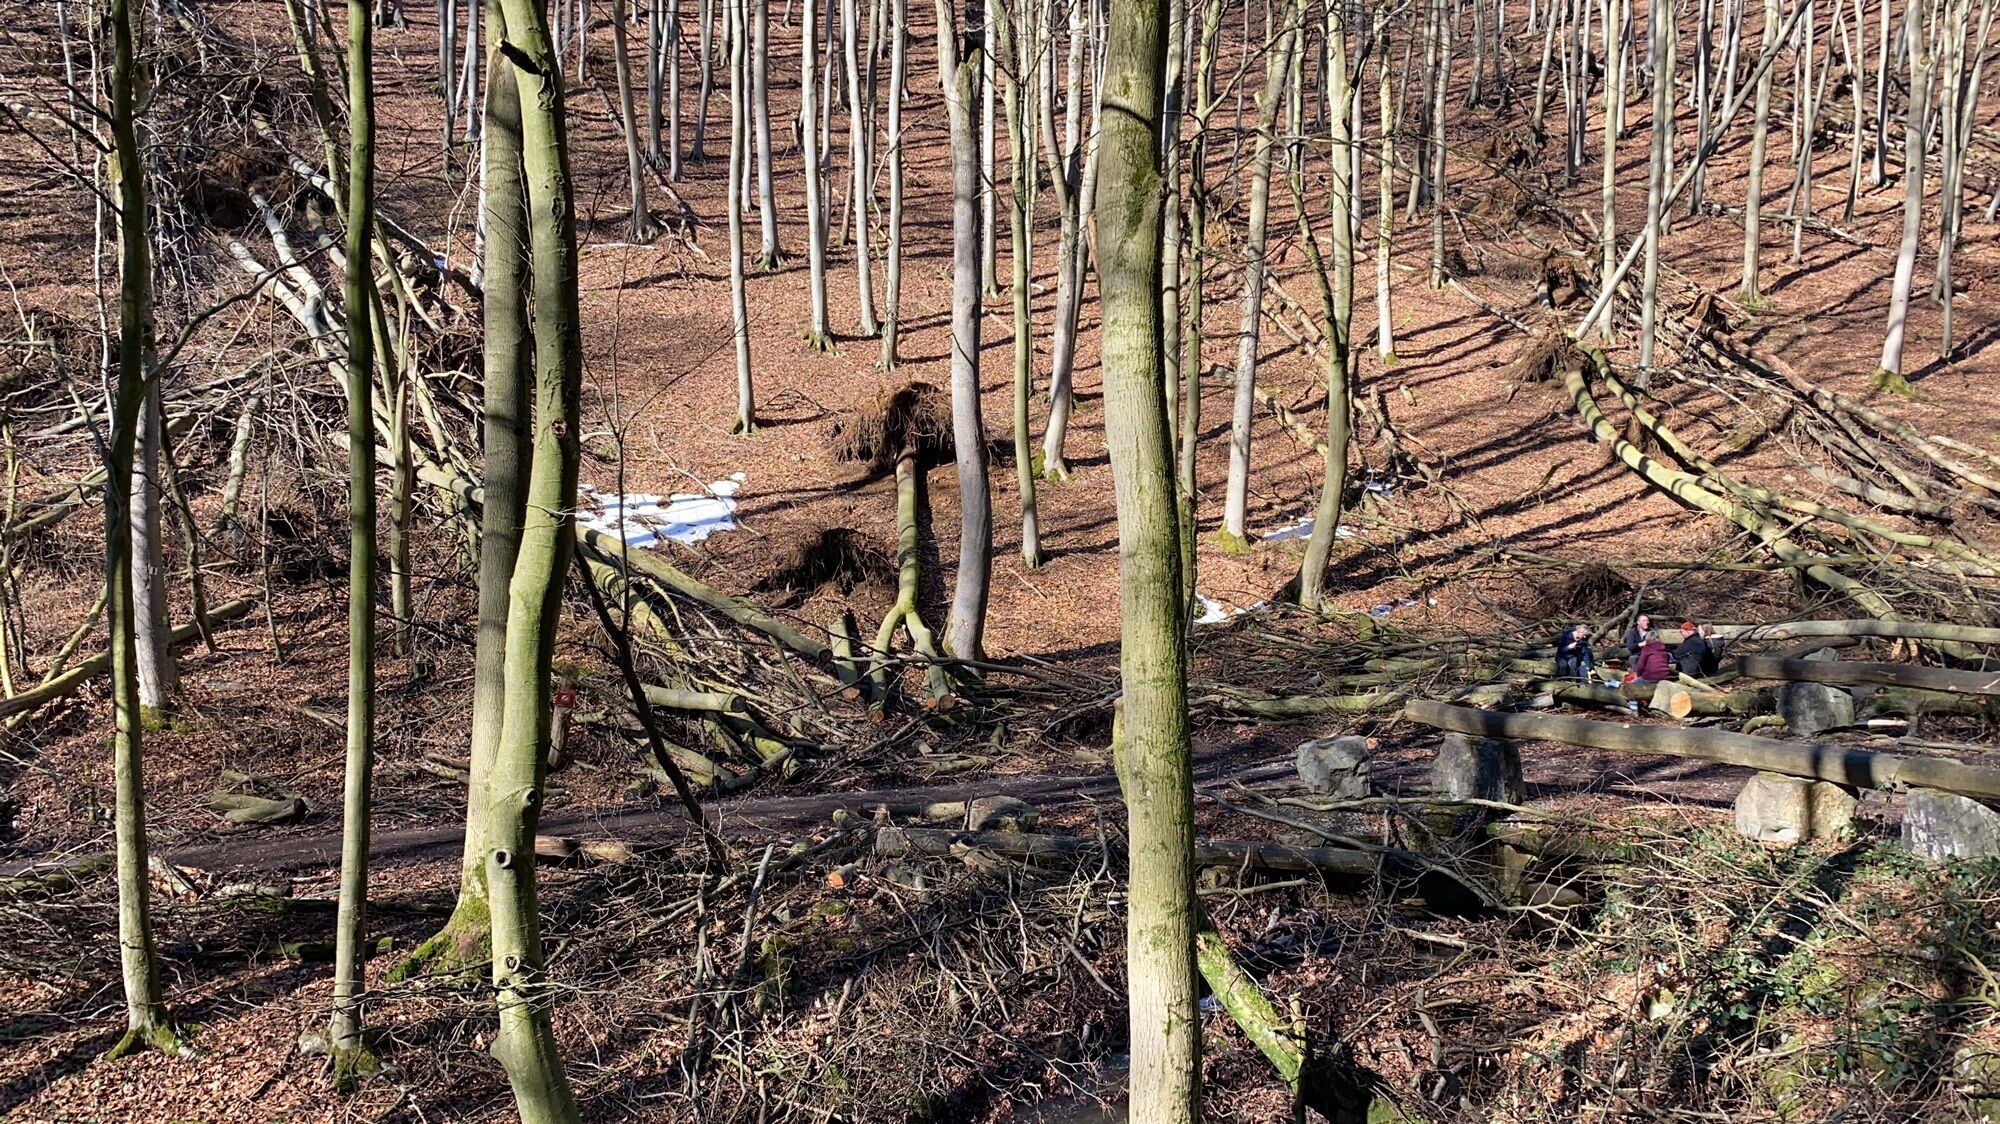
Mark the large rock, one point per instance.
(1809, 708)
(1778, 809)
(1485, 769)
(1940, 825)
(1341, 768)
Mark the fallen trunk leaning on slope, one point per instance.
(67, 683)
(895, 842)
(1857, 768)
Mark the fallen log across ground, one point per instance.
(1850, 674)
(1888, 630)
(67, 683)
(895, 842)
(1857, 768)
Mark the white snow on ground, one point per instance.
(1215, 612)
(644, 520)
(1304, 529)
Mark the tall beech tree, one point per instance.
(739, 170)
(508, 371)
(1236, 500)
(350, 1056)
(1152, 746)
(819, 333)
(892, 281)
(147, 1025)
(966, 627)
(525, 1045)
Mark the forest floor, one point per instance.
(935, 989)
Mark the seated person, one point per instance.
(1700, 655)
(1573, 656)
(1652, 665)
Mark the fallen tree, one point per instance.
(67, 683)
(896, 842)
(1856, 768)
(1887, 630)
(1848, 674)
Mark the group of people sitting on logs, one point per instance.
(1648, 659)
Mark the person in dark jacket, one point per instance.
(1700, 655)
(1573, 656)
(1636, 636)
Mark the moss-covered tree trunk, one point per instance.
(525, 1045)
(464, 939)
(145, 1012)
(344, 1031)
(1158, 782)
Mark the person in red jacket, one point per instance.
(1652, 664)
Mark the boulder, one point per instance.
(1482, 769)
(1809, 708)
(1000, 813)
(1773, 808)
(1939, 826)
(1342, 768)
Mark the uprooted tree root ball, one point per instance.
(1592, 591)
(915, 416)
(838, 556)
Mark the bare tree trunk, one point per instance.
(769, 255)
(1016, 50)
(673, 49)
(1339, 325)
(1660, 25)
(1236, 502)
(706, 45)
(147, 1025)
(1153, 746)
(819, 333)
(1066, 175)
(1385, 201)
(158, 680)
(1878, 170)
(635, 159)
(1205, 102)
(967, 624)
(525, 1045)
(1614, 119)
(1915, 149)
(892, 292)
(989, 250)
(464, 939)
(857, 157)
(1753, 203)
(656, 62)
(1437, 143)
(351, 1059)
(739, 172)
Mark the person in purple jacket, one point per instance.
(1652, 664)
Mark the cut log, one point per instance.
(1858, 768)
(1910, 702)
(1703, 704)
(1850, 674)
(895, 842)
(709, 702)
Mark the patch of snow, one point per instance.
(1215, 612)
(1304, 529)
(643, 520)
